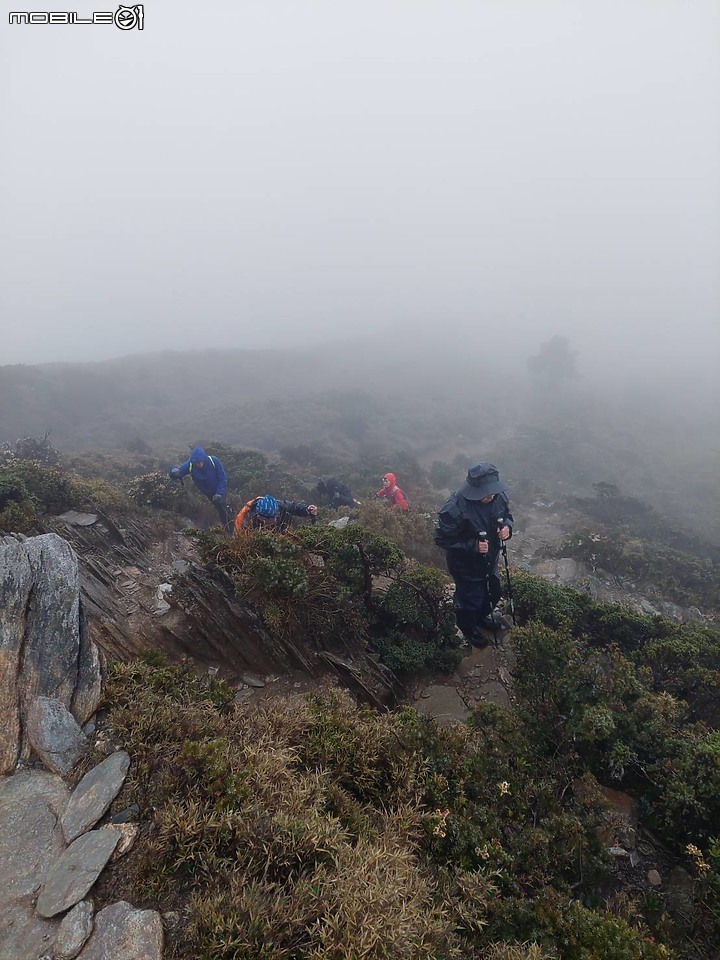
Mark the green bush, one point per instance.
(157, 490)
(607, 687)
(29, 489)
(12, 489)
(338, 587)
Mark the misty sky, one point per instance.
(277, 171)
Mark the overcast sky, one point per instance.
(263, 172)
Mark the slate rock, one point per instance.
(671, 610)
(94, 794)
(31, 804)
(444, 704)
(76, 927)
(54, 735)
(340, 523)
(23, 935)
(45, 650)
(620, 853)
(127, 815)
(242, 695)
(76, 519)
(124, 933)
(566, 570)
(253, 681)
(74, 873)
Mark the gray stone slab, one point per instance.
(253, 681)
(23, 935)
(493, 691)
(55, 735)
(76, 519)
(94, 794)
(566, 570)
(124, 933)
(76, 927)
(444, 704)
(545, 568)
(31, 804)
(74, 873)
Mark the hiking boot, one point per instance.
(479, 641)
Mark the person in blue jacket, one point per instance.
(208, 475)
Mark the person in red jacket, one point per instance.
(392, 493)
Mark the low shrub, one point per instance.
(344, 588)
(308, 828)
(29, 489)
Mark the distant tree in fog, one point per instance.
(554, 360)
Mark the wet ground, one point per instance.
(482, 676)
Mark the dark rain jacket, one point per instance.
(340, 493)
(459, 522)
(211, 479)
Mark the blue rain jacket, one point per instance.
(209, 479)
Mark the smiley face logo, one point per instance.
(126, 18)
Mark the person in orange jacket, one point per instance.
(271, 514)
(392, 493)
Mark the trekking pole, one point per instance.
(503, 547)
(482, 537)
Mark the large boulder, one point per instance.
(44, 648)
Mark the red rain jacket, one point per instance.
(393, 494)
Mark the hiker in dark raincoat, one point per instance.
(471, 526)
(208, 475)
(339, 493)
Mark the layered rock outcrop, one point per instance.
(50, 853)
(44, 647)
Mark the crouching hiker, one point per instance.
(208, 475)
(338, 492)
(472, 526)
(268, 513)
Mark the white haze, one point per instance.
(279, 172)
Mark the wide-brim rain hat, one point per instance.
(482, 480)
